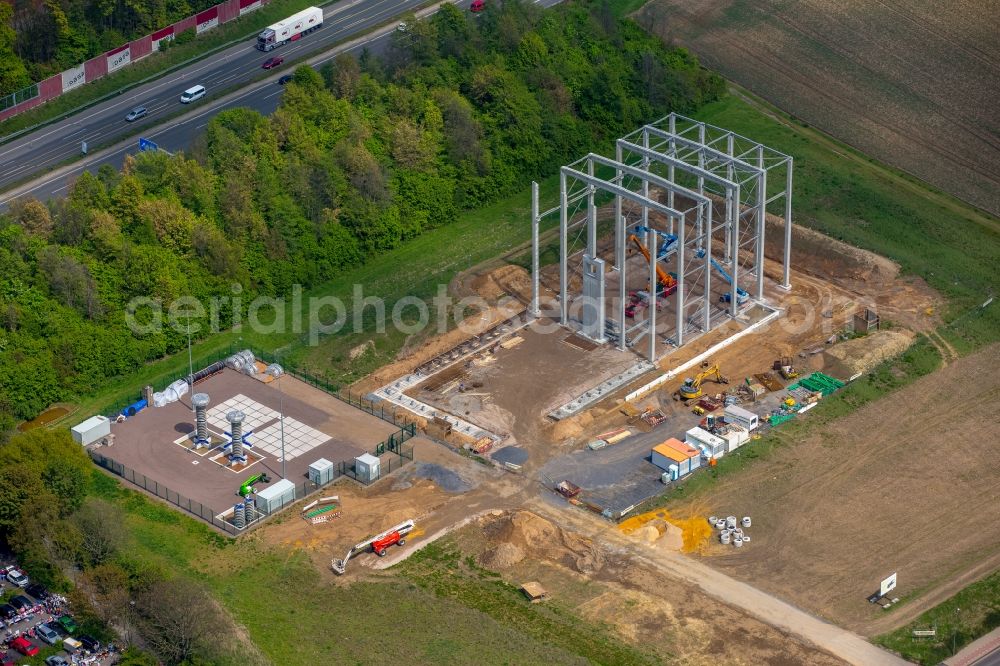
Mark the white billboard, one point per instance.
(73, 78)
(119, 59)
(887, 586)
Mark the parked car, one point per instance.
(7, 612)
(273, 62)
(89, 643)
(6, 659)
(477, 5)
(24, 646)
(47, 634)
(285, 79)
(56, 660)
(17, 577)
(68, 624)
(37, 591)
(21, 602)
(136, 113)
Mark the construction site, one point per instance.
(685, 319)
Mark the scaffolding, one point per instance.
(697, 196)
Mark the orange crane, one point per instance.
(665, 278)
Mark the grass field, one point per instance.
(973, 612)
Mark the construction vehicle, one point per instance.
(667, 282)
(567, 489)
(691, 388)
(741, 294)
(668, 240)
(378, 543)
(785, 367)
(247, 486)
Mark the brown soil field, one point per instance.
(910, 83)
(907, 484)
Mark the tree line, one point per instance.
(360, 157)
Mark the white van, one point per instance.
(191, 94)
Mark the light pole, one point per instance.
(281, 421)
(190, 362)
(954, 631)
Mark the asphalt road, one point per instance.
(56, 143)
(105, 123)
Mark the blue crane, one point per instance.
(665, 246)
(741, 294)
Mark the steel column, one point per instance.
(535, 311)
(563, 259)
(788, 228)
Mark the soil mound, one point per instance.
(863, 354)
(504, 556)
(536, 536)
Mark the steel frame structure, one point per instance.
(693, 180)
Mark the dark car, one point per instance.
(56, 660)
(271, 63)
(89, 642)
(7, 612)
(136, 113)
(21, 602)
(285, 79)
(37, 591)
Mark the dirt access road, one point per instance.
(900, 80)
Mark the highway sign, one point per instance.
(146, 144)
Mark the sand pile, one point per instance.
(503, 556)
(534, 535)
(865, 353)
(658, 528)
(506, 280)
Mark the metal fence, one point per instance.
(197, 509)
(18, 97)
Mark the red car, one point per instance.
(24, 646)
(477, 5)
(270, 63)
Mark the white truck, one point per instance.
(290, 29)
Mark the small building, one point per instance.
(91, 430)
(534, 591)
(743, 417)
(677, 454)
(274, 497)
(712, 446)
(866, 320)
(366, 467)
(735, 436)
(321, 472)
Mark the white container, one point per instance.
(720, 524)
(743, 417)
(713, 519)
(91, 430)
(321, 472)
(730, 521)
(366, 466)
(274, 497)
(738, 542)
(746, 521)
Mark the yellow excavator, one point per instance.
(691, 388)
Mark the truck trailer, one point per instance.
(290, 29)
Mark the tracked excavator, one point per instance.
(691, 388)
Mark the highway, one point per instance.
(105, 123)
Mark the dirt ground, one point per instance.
(905, 484)
(604, 585)
(900, 80)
